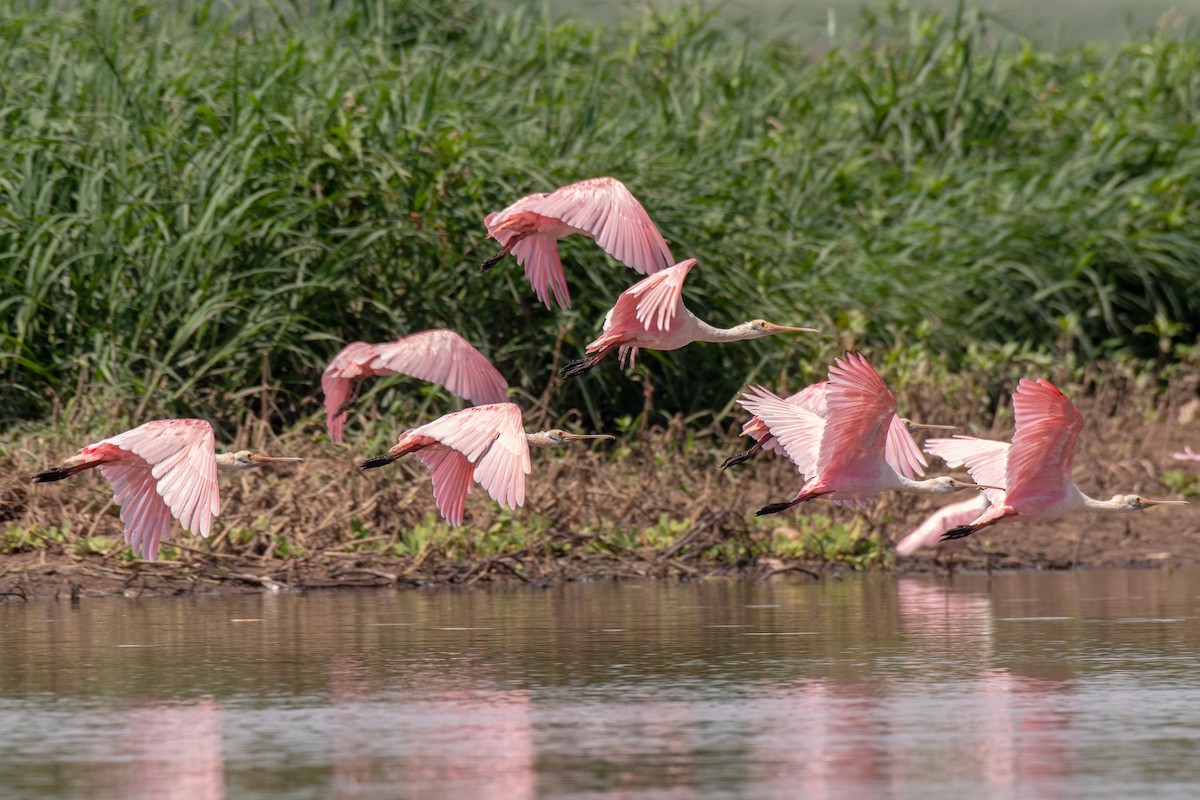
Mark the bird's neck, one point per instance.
(1092, 504)
(540, 439)
(709, 333)
(931, 486)
(226, 461)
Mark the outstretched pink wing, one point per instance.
(493, 441)
(658, 297)
(929, 533)
(861, 408)
(538, 254)
(172, 467)
(901, 451)
(604, 208)
(797, 429)
(452, 478)
(440, 356)
(985, 459)
(1048, 427)
(351, 362)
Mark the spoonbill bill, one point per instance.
(901, 451)
(1034, 471)
(599, 208)
(165, 468)
(483, 444)
(844, 454)
(651, 314)
(439, 356)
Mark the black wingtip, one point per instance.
(52, 474)
(957, 533)
(377, 461)
(773, 508)
(576, 368)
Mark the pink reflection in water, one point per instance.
(168, 752)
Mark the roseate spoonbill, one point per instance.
(484, 444)
(438, 356)
(1034, 471)
(902, 451)
(1188, 454)
(929, 532)
(600, 208)
(843, 455)
(651, 314)
(162, 469)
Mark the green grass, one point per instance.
(197, 210)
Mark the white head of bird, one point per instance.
(248, 459)
(1133, 502)
(758, 328)
(555, 437)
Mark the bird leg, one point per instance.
(959, 532)
(743, 456)
(775, 508)
(496, 259)
(61, 473)
(379, 461)
(576, 368)
(355, 388)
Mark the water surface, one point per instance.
(1025, 685)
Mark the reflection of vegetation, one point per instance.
(194, 205)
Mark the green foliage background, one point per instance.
(194, 206)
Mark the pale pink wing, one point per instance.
(901, 451)
(350, 363)
(492, 439)
(452, 478)
(799, 431)
(659, 296)
(442, 356)
(181, 455)
(985, 459)
(861, 408)
(538, 254)
(929, 533)
(1048, 427)
(146, 517)
(811, 398)
(616, 220)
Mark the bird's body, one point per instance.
(843, 455)
(165, 468)
(439, 356)
(929, 533)
(651, 314)
(1033, 473)
(599, 208)
(485, 445)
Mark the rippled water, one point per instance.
(1080, 684)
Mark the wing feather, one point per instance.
(797, 430)
(986, 460)
(453, 475)
(1048, 427)
(861, 408)
(929, 533)
(443, 357)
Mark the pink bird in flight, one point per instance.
(929, 533)
(901, 452)
(483, 444)
(1033, 473)
(844, 454)
(165, 468)
(651, 314)
(600, 208)
(439, 356)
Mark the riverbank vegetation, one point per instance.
(198, 209)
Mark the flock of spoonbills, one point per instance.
(843, 434)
